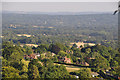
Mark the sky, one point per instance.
(59, 0)
(59, 6)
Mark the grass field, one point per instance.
(31, 45)
(70, 68)
(26, 35)
(81, 43)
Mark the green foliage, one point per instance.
(106, 52)
(49, 54)
(5, 62)
(34, 62)
(74, 59)
(24, 68)
(12, 53)
(10, 72)
(88, 50)
(61, 46)
(117, 58)
(24, 75)
(113, 63)
(59, 36)
(54, 48)
(84, 73)
(41, 48)
(7, 44)
(28, 50)
(17, 65)
(103, 59)
(78, 53)
(101, 63)
(55, 72)
(47, 62)
(62, 53)
(54, 59)
(117, 70)
(33, 72)
(74, 45)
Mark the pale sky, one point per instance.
(59, 0)
(60, 6)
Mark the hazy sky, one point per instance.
(60, 6)
(59, 0)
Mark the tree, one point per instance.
(24, 68)
(62, 53)
(47, 62)
(7, 44)
(28, 50)
(87, 51)
(81, 46)
(113, 63)
(33, 72)
(42, 48)
(117, 70)
(5, 62)
(17, 65)
(74, 45)
(54, 48)
(12, 52)
(33, 62)
(84, 73)
(55, 71)
(61, 46)
(15, 56)
(10, 72)
(34, 68)
(24, 75)
(54, 59)
(100, 63)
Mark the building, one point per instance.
(31, 56)
(37, 54)
(83, 63)
(64, 59)
(67, 60)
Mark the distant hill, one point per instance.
(57, 13)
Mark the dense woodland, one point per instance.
(15, 66)
(47, 29)
(53, 35)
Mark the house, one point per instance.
(65, 60)
(83, 63)
(44, 54)
(92, 58)
(53, 54)
(68, 51)
(26, 56)
(37, 54)
(31, 56)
